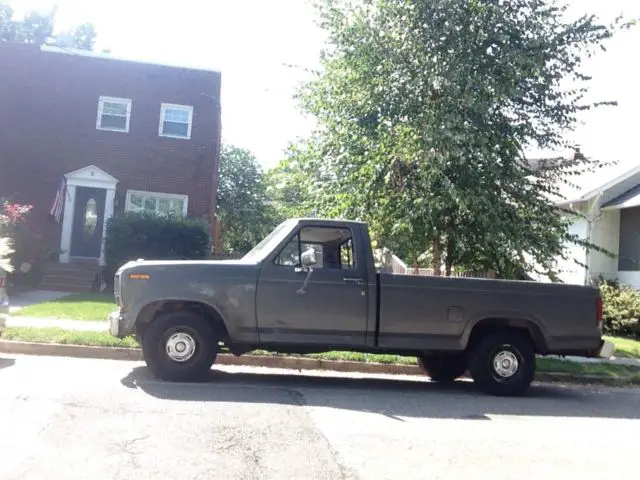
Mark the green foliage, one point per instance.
(242, 207)
(424, 111)
(143, 235)
(620, 309)
(37, 27)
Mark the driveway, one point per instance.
(80, 418)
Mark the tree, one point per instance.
(243, 210)
(288, 184)
(425, 110)
(36, 28)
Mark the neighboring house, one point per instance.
(610, 219)
(84, 136)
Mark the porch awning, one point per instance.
(629, 199)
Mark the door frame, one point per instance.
(91, 177)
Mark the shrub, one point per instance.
(620, 309)
(5, 254)
(15, 255)
(143, 235)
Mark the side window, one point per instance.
(333, 247)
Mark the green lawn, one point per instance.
(81, 306)
(545, 365)
(626, 347)
(67, 337)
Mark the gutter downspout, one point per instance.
(592, 216)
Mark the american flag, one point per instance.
(58, 203)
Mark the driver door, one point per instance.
(331, 309)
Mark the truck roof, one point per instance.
(328, 220)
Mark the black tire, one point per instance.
(443, 367)
(510, 378)
(195, 334)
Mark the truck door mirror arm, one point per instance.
(303, 289)
(308, 260)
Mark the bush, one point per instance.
(134, 235)
(5, 254)
(620, 309)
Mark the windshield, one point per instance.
(268, 243)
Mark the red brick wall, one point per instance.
(48, 110)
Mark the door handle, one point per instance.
(357, 281)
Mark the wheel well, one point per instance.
(149, 313)
(490, 325)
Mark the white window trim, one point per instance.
(101, 101)
(163, 109)
(172, 196)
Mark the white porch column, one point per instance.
(108, 213)
(67, 224)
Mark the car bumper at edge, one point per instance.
(606, 349)
(4, 313)
(115, 320)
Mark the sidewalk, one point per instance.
(102, 326)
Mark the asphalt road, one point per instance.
(97, 419)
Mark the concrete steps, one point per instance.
(74, 277)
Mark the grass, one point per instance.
(80, 306)
(104, 339)
(626, 347)
(66, 337)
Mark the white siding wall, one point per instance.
(569, 271)
(629, 278)
(605, 234)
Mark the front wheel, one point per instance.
(179, 347)
(503, 363)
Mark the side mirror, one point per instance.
(308, 258)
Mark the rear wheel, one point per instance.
(443, 367)
(179, 347)
(503, 363)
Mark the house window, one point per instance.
(114, 114)
(159, 203)
(175, 121)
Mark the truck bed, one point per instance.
(439, 313)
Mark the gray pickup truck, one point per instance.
(312, 286)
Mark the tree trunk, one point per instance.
(436, 264)
(450, 245)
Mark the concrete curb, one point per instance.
(292, 363)
(135, 354)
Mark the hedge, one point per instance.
(620, 309)
(152, 237)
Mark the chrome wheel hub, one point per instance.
(505, 364)
(181, 347)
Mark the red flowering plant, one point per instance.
(11, 215)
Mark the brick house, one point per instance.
(117, 134)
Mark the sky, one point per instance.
(263, 47)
